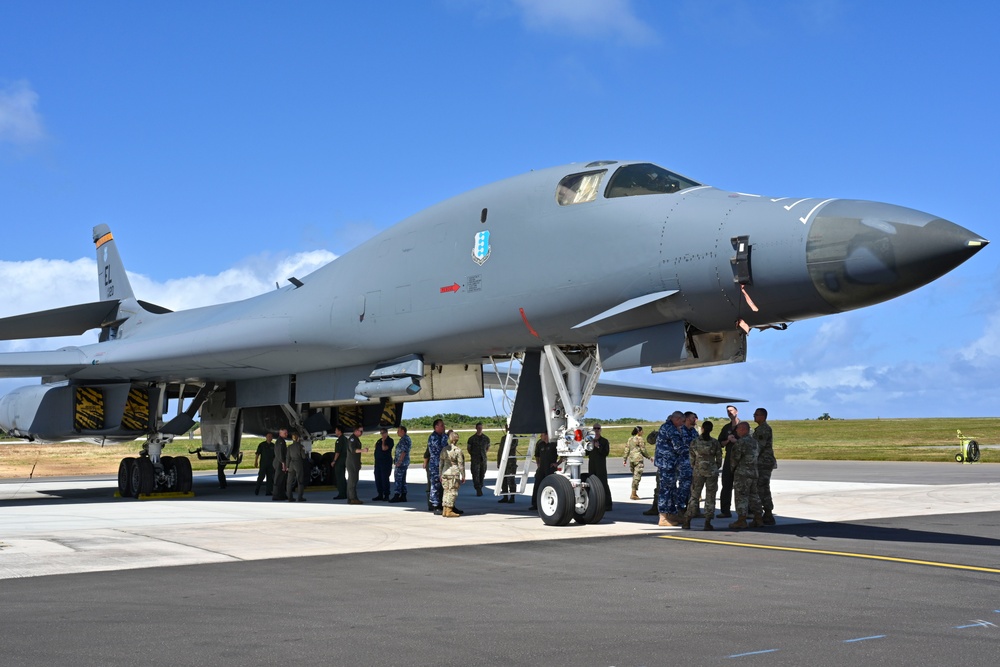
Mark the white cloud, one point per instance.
(20, 122)
(248, 279)
(586, 18)
(986, 346)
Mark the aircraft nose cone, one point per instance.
(859, 253)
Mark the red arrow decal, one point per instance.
(451, 288)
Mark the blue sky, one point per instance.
(232, 144)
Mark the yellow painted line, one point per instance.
(104, 239)
(846, 554)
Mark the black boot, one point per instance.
(395, 499)
(454, 508)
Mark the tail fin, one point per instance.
(112, 282)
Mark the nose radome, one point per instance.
(859, 253)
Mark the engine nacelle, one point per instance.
(61, 411)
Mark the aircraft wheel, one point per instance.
(125, 476)
(182, 465)
(959, 457)
(593, 503)
(143, 476)
(555, 500)
(973, 451)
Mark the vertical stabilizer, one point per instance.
(112, 283)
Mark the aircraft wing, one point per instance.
(67, 321)
(41, 364)
(626, 390)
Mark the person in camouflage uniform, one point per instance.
(706, 458)
(634, 457)
(765, 463)
(477, 445)
(452, 470)
(669, 444)
(743, 459)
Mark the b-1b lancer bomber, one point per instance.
(536, 284)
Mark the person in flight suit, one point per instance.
(353, 464)
(546, 460)
(263, 460)
(598, 463)
(340, 463)
(280, 471)
(728, 429)
(296, 466)
(477, 445)
(508, 486)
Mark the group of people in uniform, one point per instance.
(282, 465)
(688, 462)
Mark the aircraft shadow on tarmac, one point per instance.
(875, 533)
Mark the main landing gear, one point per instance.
(151, 473)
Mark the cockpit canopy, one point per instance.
(629, 180)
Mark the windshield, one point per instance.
(645, 179)
(579, 188)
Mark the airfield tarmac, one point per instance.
(888, 563)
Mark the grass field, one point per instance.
(841, 440)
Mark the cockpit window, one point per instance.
(579, 188)
(645, 179)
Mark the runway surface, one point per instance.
(885, 563)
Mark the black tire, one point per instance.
(593, 503)
(959, 457)
(555, 500)
(973, 451)
(184, 477)
(143, 477)
(125, 476)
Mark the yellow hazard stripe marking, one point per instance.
(104, 239)
(89, 409)
(847, 554)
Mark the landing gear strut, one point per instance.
(568, 377)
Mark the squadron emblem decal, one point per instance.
(481, 247)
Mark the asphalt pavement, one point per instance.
(856, 572)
